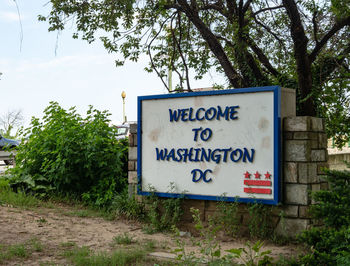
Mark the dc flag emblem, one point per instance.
(257, 185)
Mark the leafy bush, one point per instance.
(330, 242)
(70, 155)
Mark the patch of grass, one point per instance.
(81, 213)
(89, 212)
(20, 250)
(36, 245)
(84, 256)
(19, 199)
(68, 244)
(150, 244)
(124, 239)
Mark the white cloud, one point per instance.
(65, 62)
(9, 16)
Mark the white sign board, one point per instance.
(211, 145)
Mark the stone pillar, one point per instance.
(132, 163)
(305, 154)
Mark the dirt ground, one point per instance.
(56, 227)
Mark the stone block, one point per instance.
(322, 140)
(304, 212)
(288, 102)
(131, 165)
(319, 155)
(135, 140)
(131, 140)
(296, 194)
(314, 144)
(307, 173)
(133, 153)
(131, 190)
(305, 135)
(291, 172)
(289, 227)
(290, 211)
(287, 135)
(317, 124)
(297, 123)
(297, 151)
(133, 128)
(132, 177)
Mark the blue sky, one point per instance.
(75, 74)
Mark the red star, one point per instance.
(247, 175)
(267, 175)
(257, 175)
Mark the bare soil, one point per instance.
(56, 227)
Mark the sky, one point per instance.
(40, 66)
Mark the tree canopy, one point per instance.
(300, 44)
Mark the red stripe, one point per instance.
(257, 183)
(257, 190)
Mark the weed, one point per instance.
(124, 239)
(150, 244)
(251, 254)
(227, 217)
(42, 220)
(209, 246)
(129, 207)
(163, 214)
(259, 223)
(36, 245)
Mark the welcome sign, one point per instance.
(211, 145)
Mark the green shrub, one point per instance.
(70, 155)
(330, 242)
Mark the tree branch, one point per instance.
(150, 54)
(314, 22)
(336, 27)
(267, 9)
(301, 57)
(214, 45)
(178, 44)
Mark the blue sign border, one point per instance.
(277, 144)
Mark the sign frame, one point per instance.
(277, 177)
